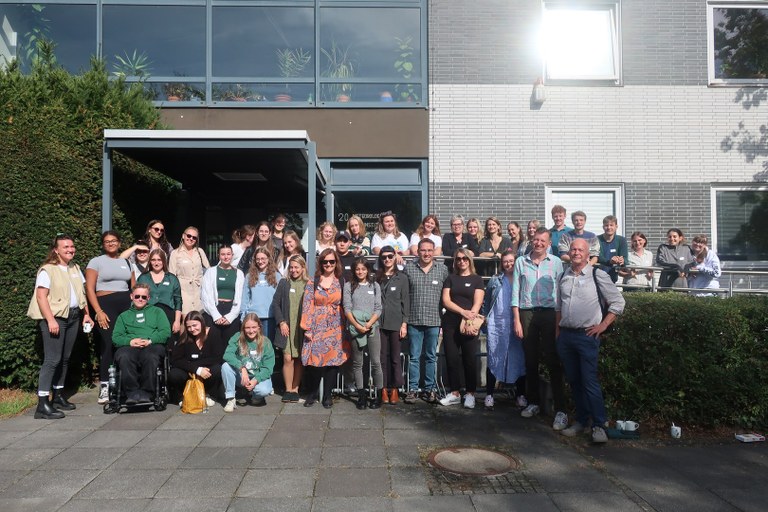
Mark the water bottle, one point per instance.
(112, 376)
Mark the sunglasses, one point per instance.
(329, 262)
(158, 230)
(461, 258)
(387, 256)
(191, 237)
(140, 297)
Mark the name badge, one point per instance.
(434, 282)
(139, 315)
(370, 292)
(463, 246)
(125, 268)
(195, 356)
(393, 288)
(166, 283)
(254, 352)
(262, 283)
(682, 258)
(291, 290)
(467, 284)
(347, 267)
(613, 250)
(222, 279)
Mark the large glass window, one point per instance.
(369, 204)
(581, 40)
(596, 202)
(72, 28)
(370, 54)
(738, 43)
(739, 223)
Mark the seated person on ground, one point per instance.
(139, 337)
(248, 363)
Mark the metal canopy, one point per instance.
(263, 165)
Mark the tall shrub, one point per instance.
(51, 135)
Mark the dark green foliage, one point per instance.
(700, 361)
(51, 135)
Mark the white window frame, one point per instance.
(713, 207)
(727, 4)
(618, 197)
(614, 9)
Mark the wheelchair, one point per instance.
(117, 399)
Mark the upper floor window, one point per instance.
(581, 40)
(738, 42)
(596, 201)
(738, 223)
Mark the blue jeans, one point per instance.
(422, 337)
(231, 380)
(578, 352)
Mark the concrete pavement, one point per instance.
(286, 457)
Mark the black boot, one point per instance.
(361, 399)
(376, 402)
(45, 410)
(61, 403)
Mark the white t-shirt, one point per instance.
(415, 239)
(44, 281)
(400, 243)
(237, 253)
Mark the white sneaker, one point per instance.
(521, 401)
(230, 406)
(451, 399)
(575, 429)
(103, 394)
(530, 411)
(561, 421)
(489, 402)
(209, 401)
(469, 401)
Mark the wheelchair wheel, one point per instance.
(160, 404)
(111, 408)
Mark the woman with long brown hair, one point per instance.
(259, 289)
(325, 348)
(242, 239)
(57, 304)
(291, 247)
(199, 351)
(157, 237)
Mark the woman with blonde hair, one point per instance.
(325, 237)
(259, 289)
(57, 304)
(360, 243)
(289, 336)
(188, 263)
(429, 228)
(387, 233)
(473, 228)
(248, 363)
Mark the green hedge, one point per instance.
(51, 136)
(696, 361)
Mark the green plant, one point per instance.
(134, 65)
(339, 65)
(39, 31)
(51, 142)
(292, 61)
(239, 92)
(404, 65)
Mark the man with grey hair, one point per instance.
(457, 238)
(587, 303)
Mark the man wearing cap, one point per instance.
(587, 303)
(426, 278)
(343, 241)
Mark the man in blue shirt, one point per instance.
(613, 248)
(559, 229)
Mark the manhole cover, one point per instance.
(472, 461)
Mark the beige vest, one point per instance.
(58, 294)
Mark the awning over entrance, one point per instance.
(277, 167)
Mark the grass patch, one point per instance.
(14, 401)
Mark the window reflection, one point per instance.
(72, 28)
(263, 42)
(170, 38)
(271, 92)
(368, 204)
(377, 93)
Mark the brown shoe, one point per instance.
(394, 397)
(384, 396)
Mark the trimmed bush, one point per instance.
(701, 361)
(51, 136)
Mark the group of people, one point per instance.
(225, 324)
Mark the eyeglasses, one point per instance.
(140, 297)
(191, 237)
(461, 258)
(387, 256)
(329, 262)
(158, 230)
(112, 241)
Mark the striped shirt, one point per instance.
(535, 286)
(426, 292)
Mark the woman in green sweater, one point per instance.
(164, 287)
(248, 363)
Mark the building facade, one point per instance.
(647, 110)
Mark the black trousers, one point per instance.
(226, 331)
(138, 367)
(112, 304)
(460, 350)
(391, 366)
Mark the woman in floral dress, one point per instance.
(322, 316)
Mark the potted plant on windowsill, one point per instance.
(340, 65)
(291, 62)
(176, 91)
(404, 66)
(135, 65)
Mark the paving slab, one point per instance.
(189, 504)
(246, 422)
(50, 439)
(748, 500)
(676, 500)
(26, 458)
(151, 457)
(353, 438)
(136, 421)
(356, 421)
(23, 423)
(85, 458)
(303, 439)
(433, 504)
(594, 501)
(516, 503)
(126, 483)
(173, 438)
(284, 457)
(409, 481)
(9, 477)
(271, 505)
(273, 483)
(186, 483)
(342, 482)
(10, 437)
(414, 438)
(354, 456)
(359, 504)
(79, 422)
(405, 455)
(209, 457)
(182, 421)
(32, 504)
(112, 438)
(54, 483)
(230, 438)
(300, 422)
(104, 505)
